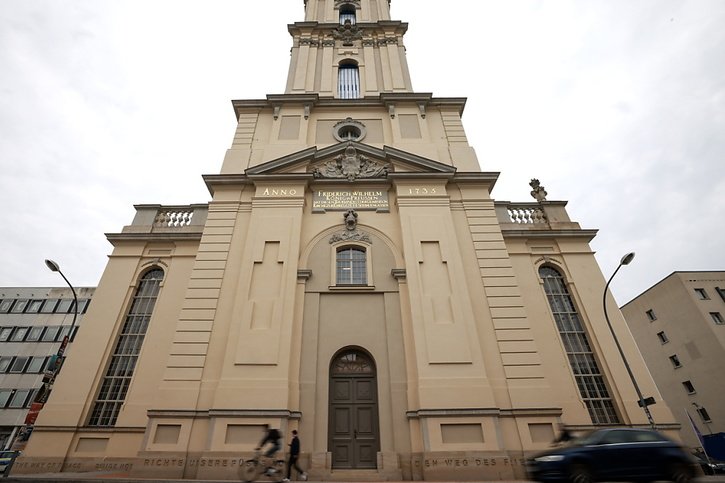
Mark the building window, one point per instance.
(348, 81)
(689, 387)
(36, 365)
(717, 318)
(49, 306)
(34, 333)
(19, 364)
(64, 306)
(50, 333)
(663, 337)
(347, 14)
(589, 378)
(5, 363)
(115, 384)
(720, 292)
(351, 263)
(651, 315)
(19, 306)
(19, 334)
(5, 333)
(5, 397)
(19, 398)
(33, 307)
(5, 305)
(701, 294)
(703, 414)
(675, 361)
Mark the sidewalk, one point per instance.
(110, 477)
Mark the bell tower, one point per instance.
(348, 49)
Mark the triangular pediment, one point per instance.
(350, 161)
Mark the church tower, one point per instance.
(351, 278)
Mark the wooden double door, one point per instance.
(354, 439)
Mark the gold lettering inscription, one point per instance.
(466, 462)
(279, 192)
(347, 199)
(423, 191)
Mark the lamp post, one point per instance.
(51, 371)
(56, 268)
(626, 260)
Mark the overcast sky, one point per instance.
(617, 106)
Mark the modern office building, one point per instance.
(33, 323)
(351, 278)
(679, 326)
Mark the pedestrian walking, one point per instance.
(294, 452)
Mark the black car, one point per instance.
(710, 466)
(614, 454)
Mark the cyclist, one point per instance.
(273, 437)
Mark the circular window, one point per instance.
(349, 130)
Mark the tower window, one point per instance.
(689, 387)
(703, 414)
(347, 14)
(701, 294)
(349, 130)
(352, 266)
(717, 318)
(675, 361)
(589, 378)
(651, 315)
(663, 337)
(349, 81)
(128, 346)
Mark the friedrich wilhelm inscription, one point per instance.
(350, 200)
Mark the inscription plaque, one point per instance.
(343, 200)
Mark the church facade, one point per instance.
(352, 278)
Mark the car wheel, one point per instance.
(579, 473)
(680, 473)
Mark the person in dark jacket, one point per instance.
(294, 452)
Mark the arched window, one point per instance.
(589, 379)
(347, 14)
(351, 265)
(348, 81)
(125, 354)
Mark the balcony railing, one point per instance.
(168, 219)
(547, 215)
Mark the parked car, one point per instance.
(614, 454)
(711, 467)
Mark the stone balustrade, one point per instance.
(546, 215)
(168, 219)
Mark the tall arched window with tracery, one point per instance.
(117, 380)
(348, 81)
(351, 266)
(589, 379)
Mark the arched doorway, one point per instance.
(353, 427)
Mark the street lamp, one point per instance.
(56, 268)
(626, 260)
(50, 373)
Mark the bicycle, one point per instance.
(252, 469)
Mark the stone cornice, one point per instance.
(170, 236)
(588, 234)
(321, 29)
(216, 413)
(384, 100)
(479, 412)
